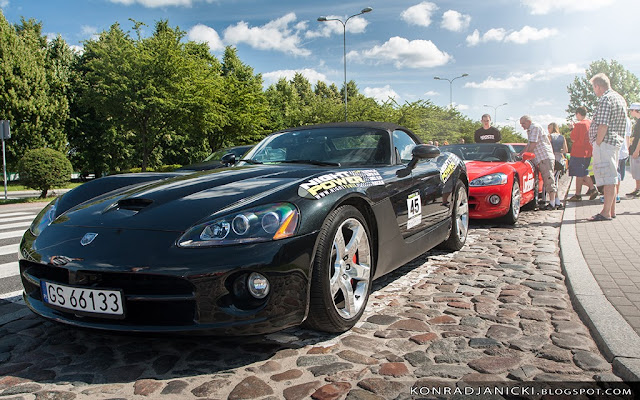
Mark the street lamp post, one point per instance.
(495, 111)
(450, 86)
(515, 128)
(344, 48)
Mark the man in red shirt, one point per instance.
(581, 156)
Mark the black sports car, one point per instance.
(295, 232)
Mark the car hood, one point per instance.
(176, 204)
(477, 169)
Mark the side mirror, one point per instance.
(423, 151)
(228, 159)
(420, 152)
(528, 156)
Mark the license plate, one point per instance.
(94, 301)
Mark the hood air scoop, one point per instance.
(134, 203)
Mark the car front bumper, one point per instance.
(481, 208)
(167, 288)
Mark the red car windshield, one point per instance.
(489, 152)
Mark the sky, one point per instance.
(520, 52)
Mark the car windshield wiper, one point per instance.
(250, 161)
(312, 162)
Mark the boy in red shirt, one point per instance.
(581, 156)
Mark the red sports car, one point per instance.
(500, 180)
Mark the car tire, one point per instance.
(342, 272)
(459, 220)
(514, 209)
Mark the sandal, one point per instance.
(599, 217)
(575, 197)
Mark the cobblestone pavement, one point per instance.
(498, 310)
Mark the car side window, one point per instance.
(403, 145)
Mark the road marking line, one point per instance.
(24, 224)
(28, 217)
(9, 235)
(12, 248)
(13, 297)
(16, 213)
(9, 269)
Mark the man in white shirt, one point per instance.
(538, 143)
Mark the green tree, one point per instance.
(245, 104)
(32, 89)
(622, 81)
(158, 91)
(44, 169)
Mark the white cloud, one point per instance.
(461, 107)
(88, 30)
(432, 93)
(542, 7)
(156, 3)
(528, 33)
(524, 35)
(4, 3)
(542, 103)
(494, 34)
(312, 76)
(381, 94)
(546, 119)
(404, 53)
(204, 34)
(420, 14)
(328, 28)
(77, 49)
(454, 21)
(520, 80)
(274, 35)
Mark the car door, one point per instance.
(419, 203)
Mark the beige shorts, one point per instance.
(635, 167)
(605, 164)
(546, 170)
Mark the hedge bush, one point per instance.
(44, 169)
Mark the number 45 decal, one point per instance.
(414, 207)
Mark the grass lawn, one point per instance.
(13, 187)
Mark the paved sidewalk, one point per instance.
(602, 264)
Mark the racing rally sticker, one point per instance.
(330, 183)
(414, 207)
(447, 169)
(527, 183)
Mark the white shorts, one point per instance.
(635, 167)
(605, 164)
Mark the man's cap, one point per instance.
(634, 106)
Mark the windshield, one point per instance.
(324, 146)
(237, 151)
(518, 147)
(490, 152)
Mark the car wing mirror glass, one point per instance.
(228, 159)
(419, 152)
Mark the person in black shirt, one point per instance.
(634, 149)
(488, 133)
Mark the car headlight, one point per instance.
(44, 218)
(260, 224)
(490, 180)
